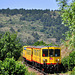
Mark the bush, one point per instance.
(73, 71)
(9, 46)
(72, 60)
(65, 62)
(69, 61)
(11, 67)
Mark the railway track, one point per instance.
(37, 69)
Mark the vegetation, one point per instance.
(68, 17)
(33, 25)
(73, 71)
(41, 43)
(69, 61)
(10, 50)
(9, 46)
(11, 67)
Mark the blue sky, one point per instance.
(29, 4)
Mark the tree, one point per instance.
(73, 71)
(11, 67)
(68, 19)
(39, 43)
(12, 30)
(69, 61)
(9, 46)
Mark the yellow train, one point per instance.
(45, 57)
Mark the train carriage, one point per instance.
(46, 57)
(36, 56)
(27, 53)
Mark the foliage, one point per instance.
(68, 18)
(49, 23)
(11, 67)
(1, 33)
(73, 71)
(62, 3)
(65, 62)
(69, 61)
(41, 43)
(35, 35)
(72, 59)
(12, 30)
(9, 46)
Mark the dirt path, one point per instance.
(33, 70)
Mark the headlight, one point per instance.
(58, 60)
(44, 60)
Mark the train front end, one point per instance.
(51, 58)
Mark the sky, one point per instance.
(29, 4)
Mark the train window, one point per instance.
(57, 52)
(24, 48)
(37, 52)
(34, 52)
(51, 52)
(28, 52)
(45, 52)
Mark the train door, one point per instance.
(31, 54)
(39, 56)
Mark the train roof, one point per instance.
(40, 46)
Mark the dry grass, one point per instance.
(64, 50)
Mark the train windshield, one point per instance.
(45, 52)
(57, 52)
(51, 52)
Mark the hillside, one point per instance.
(33, 25)
(64, 51)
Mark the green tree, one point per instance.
(68, 19)
(69, 61)
(11, 67)
(9, 46)
(73, 71)
(39, 43)
(72, 60)
(12, 30)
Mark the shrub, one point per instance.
(69, 61)
(72, 60)
(11, 67)
(73, 71)
(65, 62)
(9, 46)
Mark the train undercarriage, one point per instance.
(51, 68)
